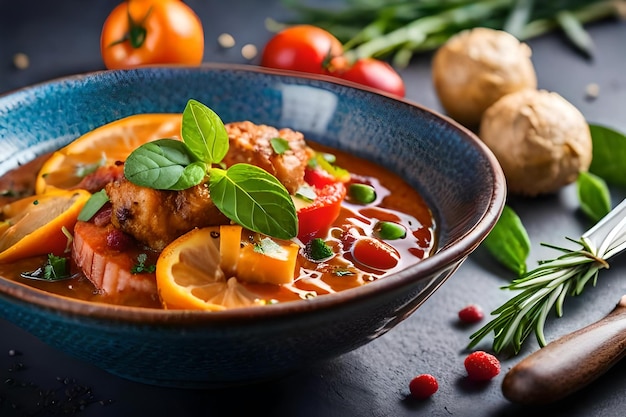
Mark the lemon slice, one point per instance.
(104, 146)
(189, 275)
(37, 225)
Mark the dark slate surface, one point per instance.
(62, 37)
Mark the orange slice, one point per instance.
(104, 146)
(189, 275)
(37, 225)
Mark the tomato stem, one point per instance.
(137, 32)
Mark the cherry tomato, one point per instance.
(145, 32)
(375, 254)
(320, 215)
(375, 73)
(304, 48)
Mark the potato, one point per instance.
(541, 140)
(476, 67)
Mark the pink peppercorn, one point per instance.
(471, 314)
(481, 366)
(423, 386)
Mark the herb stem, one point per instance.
(377, 28)
(546, 287)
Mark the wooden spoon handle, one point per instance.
(569, 363)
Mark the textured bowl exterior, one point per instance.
(455, 173)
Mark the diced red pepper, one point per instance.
(318, 177)
(322, 213)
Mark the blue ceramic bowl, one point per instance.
(455, 173)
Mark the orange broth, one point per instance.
(400, 202)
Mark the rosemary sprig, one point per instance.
(400, 28)
(547, 286)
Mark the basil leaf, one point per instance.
(609, 154)
(251, 197)
(508, 242)
(91, 207)
(594, 196)
(164, 164)
(204, 133)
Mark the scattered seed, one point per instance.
(592, 91)
(226, 40)
(249, 51)
(21, 61)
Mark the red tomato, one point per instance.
(320, 215)
(303, 48)
(375, 73)
(375, 254)
(143, 32)
(318, 177)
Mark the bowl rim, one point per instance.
(454, 253)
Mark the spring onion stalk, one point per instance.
(401, 28)
(546, 287)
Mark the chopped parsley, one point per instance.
(55, 269)
(141, 267)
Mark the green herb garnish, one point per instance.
(279, 145)
(318, 250)
(246, 194)
(269, 247)
(141, 267)
(54, 269)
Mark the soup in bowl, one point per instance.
(224, 224)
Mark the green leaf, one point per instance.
(91, 207)
(279, 145)
(508, 242)
(164, 164)
(594, 196)
(251, 197)
(204, 133)
(609, 154)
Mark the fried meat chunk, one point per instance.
(156, 217)
(251, 143)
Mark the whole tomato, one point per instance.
(375, 73)
(144, 32)
(304, 48)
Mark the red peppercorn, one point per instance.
(471, 314)
(423, 386)
(481, 366)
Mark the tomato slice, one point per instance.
(319, 216)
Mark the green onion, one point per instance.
(400, 28)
